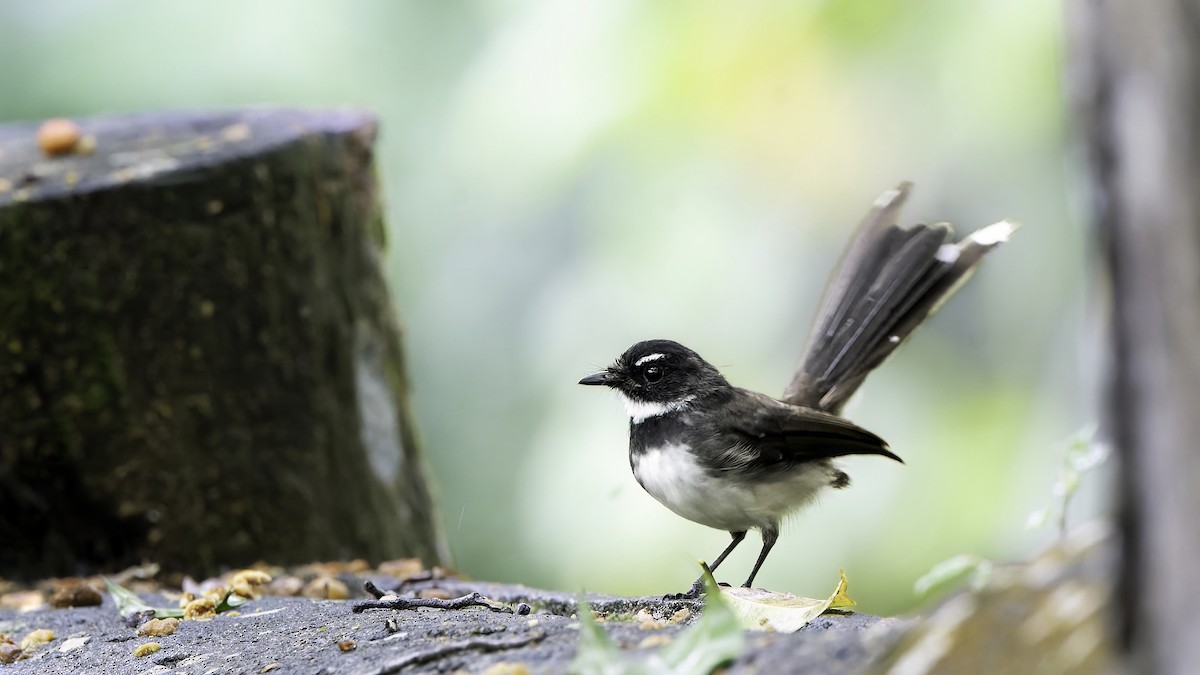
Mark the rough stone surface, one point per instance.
(1052, 614)
(303, 636)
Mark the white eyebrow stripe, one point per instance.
(648, 358)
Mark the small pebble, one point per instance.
(10, 652)
(58, 136)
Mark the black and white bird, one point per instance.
(737, 460)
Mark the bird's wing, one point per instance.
(768, 431)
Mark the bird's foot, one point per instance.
(692, 593)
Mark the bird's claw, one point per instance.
(692, 593)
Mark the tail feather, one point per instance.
(897, 285)
(890, 279)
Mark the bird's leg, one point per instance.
(737, 539)
(694, 592)
(769, 535)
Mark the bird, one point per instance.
(736, 460)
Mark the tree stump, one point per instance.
(199, 362)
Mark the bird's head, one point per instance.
(658, 376)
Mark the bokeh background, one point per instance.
(566, 177)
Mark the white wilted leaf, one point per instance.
(759, 609)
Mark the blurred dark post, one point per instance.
(199, 362)
(1135, 80)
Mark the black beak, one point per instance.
(598, 378)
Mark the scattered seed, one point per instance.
(326, 588)
(200, 609)
(158, 627)
(36, 639)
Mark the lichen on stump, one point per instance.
(199, 361)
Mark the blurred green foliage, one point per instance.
(566, 177)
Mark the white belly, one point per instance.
(671, 475)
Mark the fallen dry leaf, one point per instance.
(759, 609)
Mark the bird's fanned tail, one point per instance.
(889, 280)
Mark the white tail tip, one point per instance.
(885, 200)
(996, 233)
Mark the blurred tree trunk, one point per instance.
(1135, 81)
(199, 361)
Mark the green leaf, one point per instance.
(953, 572)
(596, 655)
(127, 601)
(759, 609)
(714, 640)
(230, 601)
(1087, 456)
(1082, 453)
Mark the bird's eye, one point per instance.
(653, 374)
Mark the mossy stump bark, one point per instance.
(199, 362)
